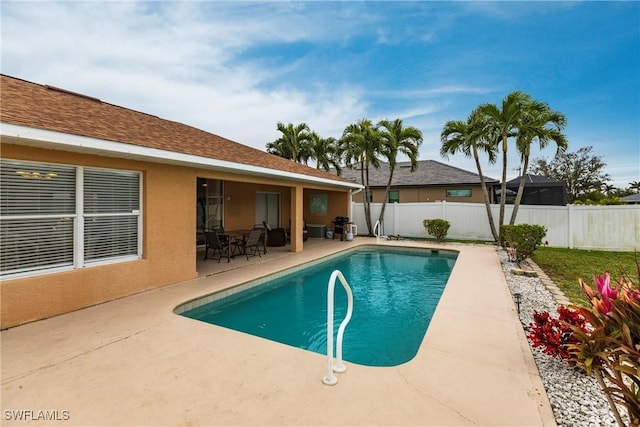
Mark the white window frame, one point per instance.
(78, 218)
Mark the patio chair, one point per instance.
(250, 246)
(275, 236)
(218, 243)
(305, 231)
(262, 243)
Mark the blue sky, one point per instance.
(236, 68)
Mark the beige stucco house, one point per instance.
(431, 181)
(99, 201)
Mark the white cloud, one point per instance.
(175, 61)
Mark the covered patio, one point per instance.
(102, 202)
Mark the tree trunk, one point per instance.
(523, 177)
(386, 194)
(367, 204)
(485, 193)
(503, 185)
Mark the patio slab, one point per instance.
(134, 362)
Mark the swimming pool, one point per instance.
(395, 292)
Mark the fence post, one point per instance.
(570, 226)
(395, 218)
(444, 209)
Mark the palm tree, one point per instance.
(467, 138)
(502, 123)
(279, 148)
(325, 152)
(360, 144)
(538, 123)
(635, 185)
(394, 139)
(293, 144)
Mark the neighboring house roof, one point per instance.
(429, 172)
(535, 181)
(633, 198)
(39, 107)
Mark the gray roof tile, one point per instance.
(429, 172)
(631, 198)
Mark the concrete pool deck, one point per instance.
(134, 362)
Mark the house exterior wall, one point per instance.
(427, 194)
(169, 234)
(240, 203)
(168, 244)
(337, 205)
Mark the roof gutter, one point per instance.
(77, 143)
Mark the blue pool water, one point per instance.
(395, 293)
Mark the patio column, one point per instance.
(296, 218)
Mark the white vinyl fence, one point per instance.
(615, 228)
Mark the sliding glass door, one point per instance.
(210, 206)
(268, 208)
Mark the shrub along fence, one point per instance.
(615, 228)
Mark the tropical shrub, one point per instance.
(611, 347)
(603, 339)
(438, 228)
(521, 240)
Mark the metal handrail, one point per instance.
(377, 228)
(330, 378)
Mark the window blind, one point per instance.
(111, 211)
(36, 189)
(37, 211)
(36, 244)
(58, 216)
(109, 191)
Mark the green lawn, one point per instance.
(565, 266)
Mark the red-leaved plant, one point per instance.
(603, 339)
(553, 334)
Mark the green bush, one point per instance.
(521, 240)
(437, 228)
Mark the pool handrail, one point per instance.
(377, 229)
(330, 378)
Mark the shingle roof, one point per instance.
(633, 198)
(44, 107)
(429, 172)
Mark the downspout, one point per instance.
(351, 194)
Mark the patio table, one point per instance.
(236, 236)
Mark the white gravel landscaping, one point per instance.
(576, 399)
